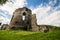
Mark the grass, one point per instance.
(27, 35)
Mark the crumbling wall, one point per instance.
(34, 23)
(17, 21)
(29, 22)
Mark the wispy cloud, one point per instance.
(48, 15)
(11, 5)
(7, 9)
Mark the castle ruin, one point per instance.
(23, 19)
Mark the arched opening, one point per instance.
(23, 17)
(24, 14)
(0, 23)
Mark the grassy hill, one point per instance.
(27, 35)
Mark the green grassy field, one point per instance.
(26, 35)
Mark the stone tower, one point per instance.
(21, 19)
(34, 23)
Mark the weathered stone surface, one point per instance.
(43, 28)
(18, 21)
(0, 23)
(4, 26)
(34, 23)
(24, 19)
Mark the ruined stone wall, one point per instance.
(17, 21)
(34, 23)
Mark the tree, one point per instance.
(3, 2)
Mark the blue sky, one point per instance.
(47, 11)
(35, 3)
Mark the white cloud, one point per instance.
(41, 12)
(3, 20)
(52, 2)
(10, 7)
(52, 18)
(48, 15)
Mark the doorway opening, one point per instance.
(23, 17)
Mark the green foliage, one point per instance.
(26, 35)
(3, 1)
